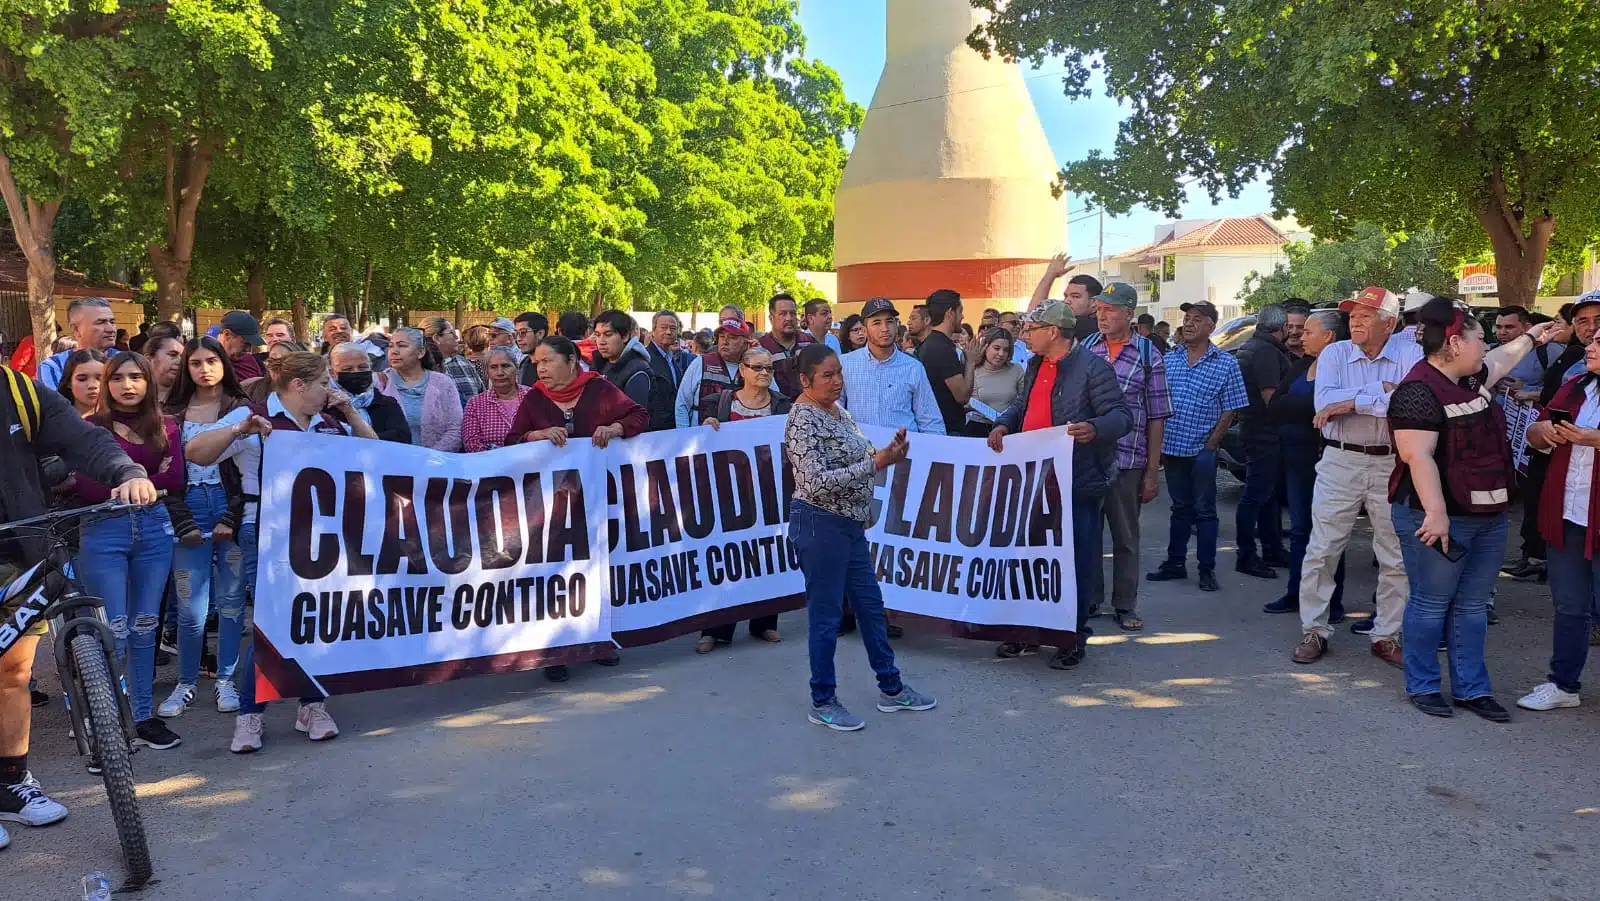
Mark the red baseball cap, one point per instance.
(733, 327)
(1381, 299)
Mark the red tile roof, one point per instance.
(1248, 231)
(14, 275)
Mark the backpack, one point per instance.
(25, 397)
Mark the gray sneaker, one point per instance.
(835, 717)
(908, 699)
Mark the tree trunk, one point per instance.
(366, 299)
(187, 169)
(341, 296)
(255, 287)
(1521, 242)
(34, 224)
(461, 312)
(300, 324)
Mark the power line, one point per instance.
(967, 91)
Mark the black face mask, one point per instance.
(355, 382)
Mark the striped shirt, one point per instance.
(892, 393)
(1345, 372)
(1200, 395)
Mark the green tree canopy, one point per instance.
(506, 154)
(1469, 117)
(1334, 270)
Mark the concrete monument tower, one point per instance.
(948, 185)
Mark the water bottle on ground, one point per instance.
(96, 887)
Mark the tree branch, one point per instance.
(111, 23)
(15, 206)
(1502, 203)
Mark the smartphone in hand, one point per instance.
(1455, 553)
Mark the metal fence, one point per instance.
(15, 323)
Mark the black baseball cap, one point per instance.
(245, 326)
(1204, 307)
(878, 305)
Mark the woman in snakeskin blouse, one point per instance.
(833, 466)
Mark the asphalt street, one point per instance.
(1192, 761)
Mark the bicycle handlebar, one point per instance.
(50, 519)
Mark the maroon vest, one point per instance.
(716, 376)
(1473, 454)
(785, 365)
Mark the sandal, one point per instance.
(1013, 649)
(770, 635)
(1129, 622)
(705, 644)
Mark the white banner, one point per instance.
(699, 530)
(979, 540)
(397, 565)
(384, 564)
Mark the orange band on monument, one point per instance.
(972, 279)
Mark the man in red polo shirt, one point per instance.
(1068, 385)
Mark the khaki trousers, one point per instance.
(1346, 482)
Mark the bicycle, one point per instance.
(86, 658)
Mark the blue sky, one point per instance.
(849, 36)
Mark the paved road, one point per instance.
(1195, 761)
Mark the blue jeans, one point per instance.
(125, 562)
(1192, 483)
(1575, 589)
(1088, 554)
(1449, 598)
(1299, 486)
(208, 574)
(836, 565)
(246, 672)
(1257, 516)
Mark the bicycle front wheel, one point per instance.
(110, 747)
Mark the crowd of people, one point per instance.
(1373, 406)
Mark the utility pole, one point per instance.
(1100, 260)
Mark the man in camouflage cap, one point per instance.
(1066, 385)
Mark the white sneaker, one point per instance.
(24, 802)
(227, 696)
(177, 702)
(314, 721)
(5, 837)
(1547, 697)
(246, 733)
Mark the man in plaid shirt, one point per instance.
(1209, 390)
(1141, 373)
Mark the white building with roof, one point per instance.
(1201, 259)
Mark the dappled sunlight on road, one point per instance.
(1197, 689)
(605, 877)
(1122, 697)
(806, 795)
(1176, 638)
(215, 799)
(692, 882)
(171, 785)
(1159, 638)
(603, 700)
(467, 720)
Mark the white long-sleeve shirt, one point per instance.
(1345, 372)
